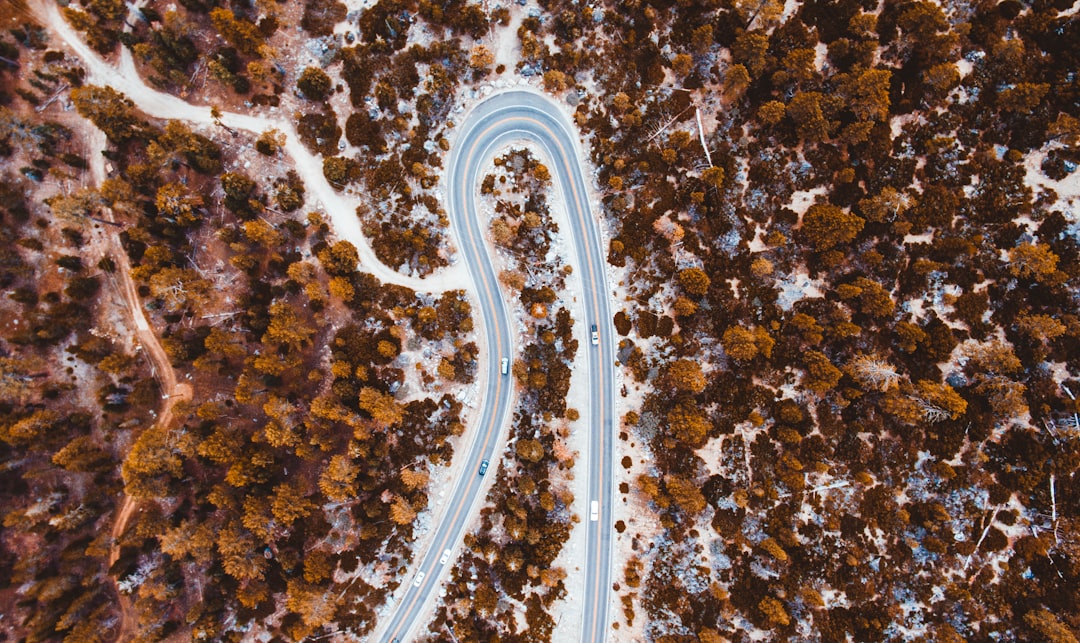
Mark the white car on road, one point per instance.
(595, 336)
(445, 557)
(419, 579)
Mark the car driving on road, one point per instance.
(505, 368)
(595, 335)
(419, 579)
(483, 467)
(445, 557)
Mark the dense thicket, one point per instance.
(303, 456)
(881, 305)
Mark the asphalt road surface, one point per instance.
(505, 117)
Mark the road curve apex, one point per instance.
(518, 98)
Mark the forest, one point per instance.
(846, 245)
(859, 417)
(322, 397)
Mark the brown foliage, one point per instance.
(826, 226)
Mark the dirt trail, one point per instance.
(172, 390)
(340, 208)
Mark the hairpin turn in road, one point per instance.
(505, 117)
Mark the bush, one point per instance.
(314, 84)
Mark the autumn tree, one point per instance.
(685, 375)
(179, 288)
(771, 112)
(414, 480)
(739, 343)
(555, 81)
(825, 226)
(774, 612)
(112, 112)
(682, 65)
(688, 424)
(314, 84)
(1033, 260)
(178, 203)
(938, 81)
(178, 143)
(401, 512)
(290, 503)
(481, 59)
(873, 299)
(1048, 626)
(381, 406)
(337, 481)
(153, 461)
(529, 450)
(29, 429)
(887, 205)
(799, 65)
(694, 281)
(821, 375)
(736, 81)
(238, 190)
(83, 455)
(1040, 328)
(713, 177)
(686, 495)
(1023, 97)
(75, 207)
(806, 111)
(992, 367)
(339, 259)
(866, 93)
(925, 35)
(269, 142)
(315, 605)
(938, 401)
(240, 32)
(750, 49)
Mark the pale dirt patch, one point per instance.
(340, 208)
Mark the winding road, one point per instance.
(512, 115)
(505, 117)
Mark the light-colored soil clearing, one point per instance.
(338, 207)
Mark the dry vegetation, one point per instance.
(855, 313)
(508, 566)
(283, 495)
(860, 379)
